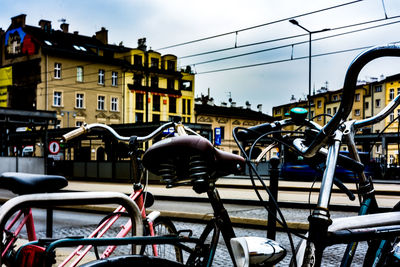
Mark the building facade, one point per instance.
(223, 119)
(370, 98)
(86, 79)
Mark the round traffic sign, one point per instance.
(54, 147)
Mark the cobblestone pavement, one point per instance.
(332, 255)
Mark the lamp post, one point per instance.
(295, 22)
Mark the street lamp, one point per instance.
(295, 22)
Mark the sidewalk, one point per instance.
(236, 191)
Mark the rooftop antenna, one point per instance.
(230, 96)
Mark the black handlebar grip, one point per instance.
(254, 132)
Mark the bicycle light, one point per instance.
(256, 250)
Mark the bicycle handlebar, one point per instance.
(88, 127)
(349, 87)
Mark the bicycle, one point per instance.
(190, 160)
(154, 224)
(326, 140)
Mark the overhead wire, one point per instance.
(260, 25)
(300, 35)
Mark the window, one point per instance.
(366, 105)
(154, 82)
(156, 117)
(58, 124)
(378, 148)
(114, 103)
(391, 116)
(139, 101)
(114, 78)
(101, 76)
(186, 85)
(377, 103)
(222, 132)
(137, 60)
(79, 100)
(57, 99)
(183, 106)
(138, 117)
(156, 103)
(172, 105)
(378, 88)
(335, 98)
(78, 123)
(334, 110)
(170, 84)
(100, 102)
(329, 111)
(79, 74)
(137, 80)
(319, 104)
(391, 94)
(357, 112)
(154, 62)
(170, 65)
(57, 70)
(357, 97)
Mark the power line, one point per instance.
(285, 60)
(258, 26)
(282, 38)
(293, 44)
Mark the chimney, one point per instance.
(224, 104)
(64, 27)
(45, 25)
(76, 32)
(18, 21)
(259, 107)
(102, 35)
(248, 105)
(142, 44)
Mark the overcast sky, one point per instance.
(171, 22)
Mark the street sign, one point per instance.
(54, 147)
(217, 136)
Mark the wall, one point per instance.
(20, 164)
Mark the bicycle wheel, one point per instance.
(384, 252)
(164, 226)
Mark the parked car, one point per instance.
(298, 168)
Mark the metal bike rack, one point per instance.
(71, 199)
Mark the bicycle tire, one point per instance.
(132, 260)
(164, 226)
(378, 253)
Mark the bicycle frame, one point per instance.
(81, 251)
(27, 221)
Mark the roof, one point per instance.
(72, 44)
(234, 112)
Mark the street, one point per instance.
(68, 223)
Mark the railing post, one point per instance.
(273, 187)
